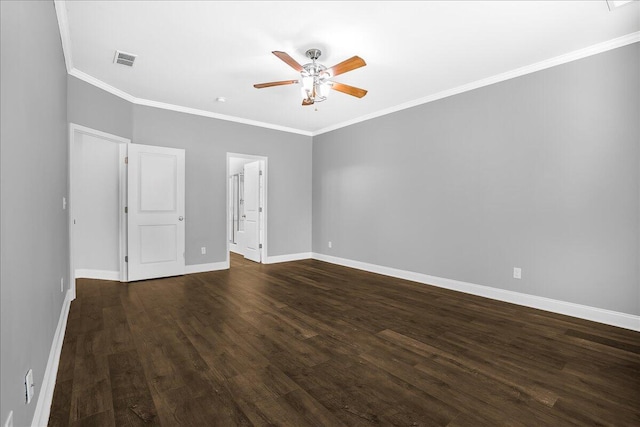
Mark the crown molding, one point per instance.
(518, 72)
(102, 85)
(63, 24)
(204, 113)
(178, 108)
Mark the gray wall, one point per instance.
(539, 172)
(97, 109)
(33, 180)
(206, 142)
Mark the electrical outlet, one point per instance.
(330, 244)
(29, 385)
(62, 284)
(9, 422)
(203, 250)
(517, 273)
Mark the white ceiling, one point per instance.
(190, 53)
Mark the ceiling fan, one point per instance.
(315, 78)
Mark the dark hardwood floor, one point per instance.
(310, 343)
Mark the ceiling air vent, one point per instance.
(124, 58)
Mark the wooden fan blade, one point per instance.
(307, 101)
(289, 60)
(348, 65)
(349, 90)
(280, 83)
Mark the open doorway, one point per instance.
(97, 197)
(126, 208)
(246, 208)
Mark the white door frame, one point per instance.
(263, 220)
(75, 131)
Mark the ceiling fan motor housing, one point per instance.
(313, 68)
(313, 54)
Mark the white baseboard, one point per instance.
(614, 318)
(289, 257)
(84, 273)
(203, 268)
(45, 396)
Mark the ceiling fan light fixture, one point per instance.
(314, 78)
(315, 83)
(307, 82)
(324, 88)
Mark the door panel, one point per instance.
(252, 211)
(158, 180)
(156, 231)
(157, 243)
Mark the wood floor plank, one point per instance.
(91, 400)
(61, 404)
(312, 410)
(311, 343)
(91, 389)
(101, 419)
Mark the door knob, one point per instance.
(180, 218)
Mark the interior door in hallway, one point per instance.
(156, 212)
(252, 211)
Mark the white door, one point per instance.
(252, 211)
(156, 229)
